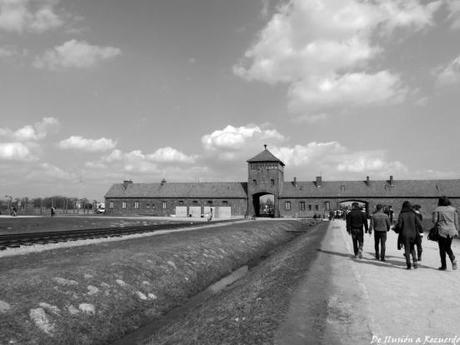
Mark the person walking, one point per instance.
(408, 225)
(356, 220)
(445, 217)
(380, 223)
(418, 239)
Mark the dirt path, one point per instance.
(343, 300)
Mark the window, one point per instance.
(164, 204)
(147, 205)
(181, 202)
(136, 204)
(272, 181)
(225, 203)
(327, 205)
(194, 202)
(317, 207)
(123, 204)
(111, 204)
(302, 205)
(287, 205)
(209, 202)
(254, 181)
(309, 207)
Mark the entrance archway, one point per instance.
(264, 204)
(345, 205)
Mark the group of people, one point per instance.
(409, 228)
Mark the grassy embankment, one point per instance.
(94, 294)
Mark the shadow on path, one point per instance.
(401, 264)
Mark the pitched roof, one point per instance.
(265, 156)
(179, 190)
(398, 189)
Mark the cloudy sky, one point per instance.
(95, 92)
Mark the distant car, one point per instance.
(100, 210)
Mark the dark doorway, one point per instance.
(264, 205)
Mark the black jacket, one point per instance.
(356, 219)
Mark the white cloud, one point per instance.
(337, 161)
(299, 155)
(90, 145)
(449, 74)
(332, 157)
(6, 52)
(233, 138)
(225, 148)
(115, 155)
(454, 10)
(356, 89)
(34, 132)
(75, 54)
(369, 162)
(29, 15)
(169, 154)
(320, 48)
(138, 162)
(15, 152)
(56, 172)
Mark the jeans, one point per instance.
(380, 237)
(409, 250)
(418, 242)
(357, 236)
(445, 248)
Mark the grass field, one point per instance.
(47, 223)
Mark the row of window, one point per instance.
(164, 204)
(302, 206)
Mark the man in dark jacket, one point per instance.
(356, 220)
(380, 223)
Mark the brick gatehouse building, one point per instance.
(266, 181)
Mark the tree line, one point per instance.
(58, 202)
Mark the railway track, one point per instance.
(31, 238)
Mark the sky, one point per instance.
(94, 92)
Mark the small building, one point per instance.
(266, 193)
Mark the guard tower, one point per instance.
(265, 179)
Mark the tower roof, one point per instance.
(265, 156)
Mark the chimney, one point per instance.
(126, 183)
(391, 180)
(368, 181)
(318, 181)
(163, 181)
(294, 182)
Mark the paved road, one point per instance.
(343, 300)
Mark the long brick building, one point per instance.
(266, 181)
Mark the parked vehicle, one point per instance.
(100, 210)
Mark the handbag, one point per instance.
(433, 235)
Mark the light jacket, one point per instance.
(380, 222)
(446, 217)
